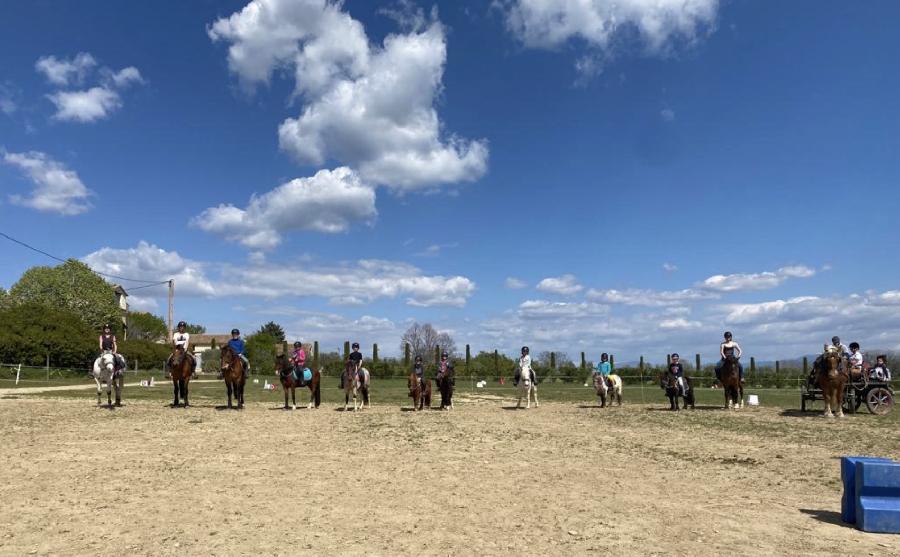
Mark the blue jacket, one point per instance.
(237, 345)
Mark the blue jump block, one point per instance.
(848, 477)
(878, 497)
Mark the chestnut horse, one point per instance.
(731, 383)
(233, 373)
(180, 369)
(669, 382)
(445, 382)
(832, 378)
(420, 391)
(285, 370)
(355, 386)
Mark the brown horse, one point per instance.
(285, 370)
(669, 382)
(832, 378)
(731, 383)
(445, 382)
(180, 368)
(420, 391)
(233, 373)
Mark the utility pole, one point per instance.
(171, 306)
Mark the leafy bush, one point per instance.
(146, 354)
(31, 332)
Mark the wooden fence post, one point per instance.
(583, 362)
(752, 364)
(641, 365)
(437, 355)
(316, 354)
(698, 363)
(805, 366)
(496, 363)
(406, 355)
(346, 349)
(468, 358)
(612, 363)
(375, 353)
(668, 359)
(777, 367)
(552, 360)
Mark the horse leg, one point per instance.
(119, 384)
(293, 397)
(740, 390)
(285, 396)
(228, 389)
(175, 393)
(828, 400)
(346, 399)
(184, 391)
(536, 405)
(99, 390)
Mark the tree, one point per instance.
(423, 339)
(193, 329)
(260, 350)
(272, 329)
(145, 326)
(4, 298)
(32, 331)
(72, 286)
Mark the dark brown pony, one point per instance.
(419, 391)
(445, 381)
(731, 383)
(180, 368)
(233, 373)
(832, 378)
(669, 382)
(285, 370)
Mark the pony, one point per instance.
(731, 383)
(445, 381)
(420, 391)
(355, 387)
(233, 373)
(526, 388)
(180, 369)
(105, 372)
(832, 378)
(603, 389)
(669, 382)
(285, 370)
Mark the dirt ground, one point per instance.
(482, 479)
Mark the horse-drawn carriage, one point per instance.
(878, 396)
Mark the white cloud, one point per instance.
(678, 323)
(64, 72)
(8, 98)
(565, 285)
(142, 303)
(85, 105)
(667, 114)
(607, 27)
(370, 107)
(755, 281)
(92, 104)
(361, 281)
(330, 201)
(542, 309)
(56, 188)
(646, 297)
(669, 267)
(514, 284)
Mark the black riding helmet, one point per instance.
(445, 355)
(106, 327)
(298, 344)
(235, 332)
(835, 340)
(604, 357)
(524, 350)
(418, 358)
(355, 345)
(854, 345)
(675, 355)
(182, 324)
(728, 334)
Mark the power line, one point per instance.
(51, 256)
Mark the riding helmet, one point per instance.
(235, 332)
(444, 354)
(728, 334)
(418, 358)
(355, 345)
(836, 340)
(182, 324)
(604, 357)
(106, 326)
(675, 355)
(297, 344)
(524, 350)
(854, 345)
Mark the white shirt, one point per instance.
(525, 362)
(856, 359)
(181, 339)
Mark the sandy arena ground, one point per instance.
(559, 480)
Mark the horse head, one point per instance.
(832, 360)
(108, 361)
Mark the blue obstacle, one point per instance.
(848, 477)
(878, 497)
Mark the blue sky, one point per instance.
(632, 177)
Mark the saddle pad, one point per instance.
(307, 374)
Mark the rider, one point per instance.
(356, 358)
(446, 366)
(880, 372)
(842, 350)
(729, 348)
(183, 339)
(604, 368)
(419, 370)
(298, 356)
(856, 362)
(108, 344)
(676, 369)
(237, 344)
(524, 362)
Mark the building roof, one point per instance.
(120, 291)
(204, 339)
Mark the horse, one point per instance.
(285, 370)
(603, 389)
(180, 369)
(527, 388)
(731, 383)
(445, 381)
(832, 378)
(233, 372)
(105, 372)
(353, 386)
(420, 391)
(669, 382)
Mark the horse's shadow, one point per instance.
(801, 414)
(828, 517)
(516, 407)
(223, 407)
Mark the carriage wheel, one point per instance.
(879, 401)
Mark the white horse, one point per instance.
(603, 390)
(359, 390)
(526, 388)
(105, 372)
